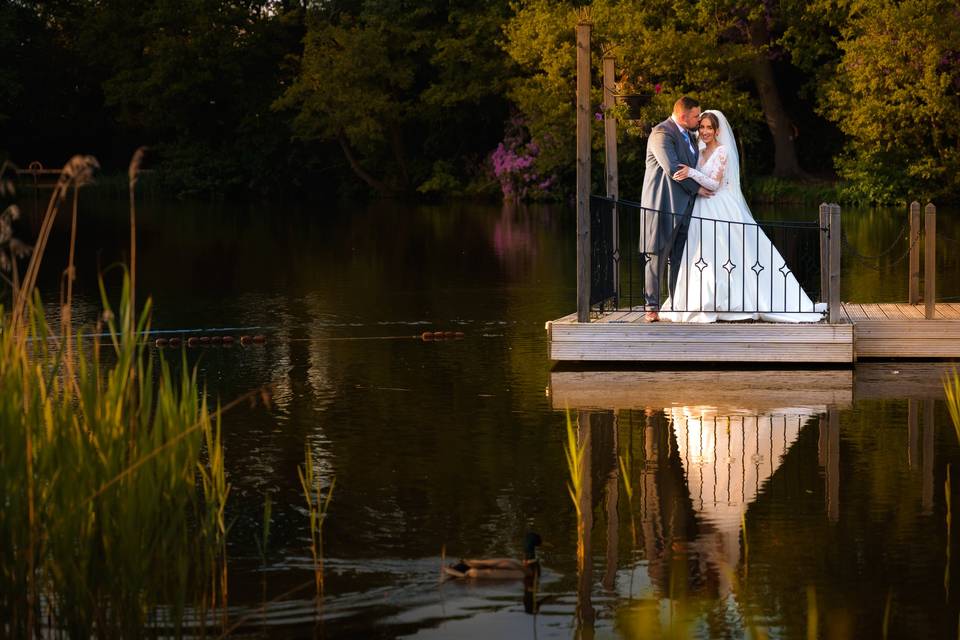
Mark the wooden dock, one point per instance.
(881, 331)
(850, 332)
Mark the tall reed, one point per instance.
(317, 506)
(105, 530)
(111, 524)
(574, 453)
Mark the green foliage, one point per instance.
(103, 519)
(399, 89)
(894, 94)
(666, 49)
(268, 97)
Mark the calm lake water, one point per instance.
(456, 447)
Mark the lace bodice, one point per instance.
(710, 172)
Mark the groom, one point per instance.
(671, 143)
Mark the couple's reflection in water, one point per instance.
(683, 478)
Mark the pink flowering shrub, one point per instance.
(514, 165)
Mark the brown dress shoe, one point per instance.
(651, 316)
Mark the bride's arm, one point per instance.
(666, 155)
(715, 179)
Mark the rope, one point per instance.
(867, 260)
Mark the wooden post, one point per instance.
(834, 302)
(610, 153)
(583, 171)
(913, 296)
(824, 252)
(930, 260)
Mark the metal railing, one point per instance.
(729, 267)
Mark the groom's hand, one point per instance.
(704, 192)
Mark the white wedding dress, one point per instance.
(730, 269)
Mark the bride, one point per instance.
(728, 277)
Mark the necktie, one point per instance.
(686, 137)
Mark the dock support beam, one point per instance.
(913, 296)
(825, 252)
(834, 302)
(930, 261)
(583, 171)
(610, 151)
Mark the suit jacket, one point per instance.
(666, 151)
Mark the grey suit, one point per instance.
(666, 151)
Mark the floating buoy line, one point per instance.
(221, 338)
(228, 340)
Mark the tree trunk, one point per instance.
(378, 185)
(782, 129)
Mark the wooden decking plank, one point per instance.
(949, 310)
(854, 311)
(911, 311)
(567, 319)
(874, 311)
(742, 352)
(613, 316)
(892, 311)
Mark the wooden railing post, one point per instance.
(930, 260)
(834, 302)
(913, 296)
(610, 149)
(824, 252)
(583, 171)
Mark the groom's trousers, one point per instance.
(667, 250)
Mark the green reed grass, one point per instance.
(103, 519)
(112, 522)
(951, 388)
(574, 453)
(317, 506)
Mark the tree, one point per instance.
(383, 79)
(659, 45)
(895, 94)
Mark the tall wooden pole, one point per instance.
(583, 171)
(913, 296)
(824, 252)
(930, 261)
(610, 149)
(834, 302)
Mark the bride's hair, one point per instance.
(713, 120)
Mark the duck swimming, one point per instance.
(501, 568)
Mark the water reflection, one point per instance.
(726, 507)
(455, 443)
